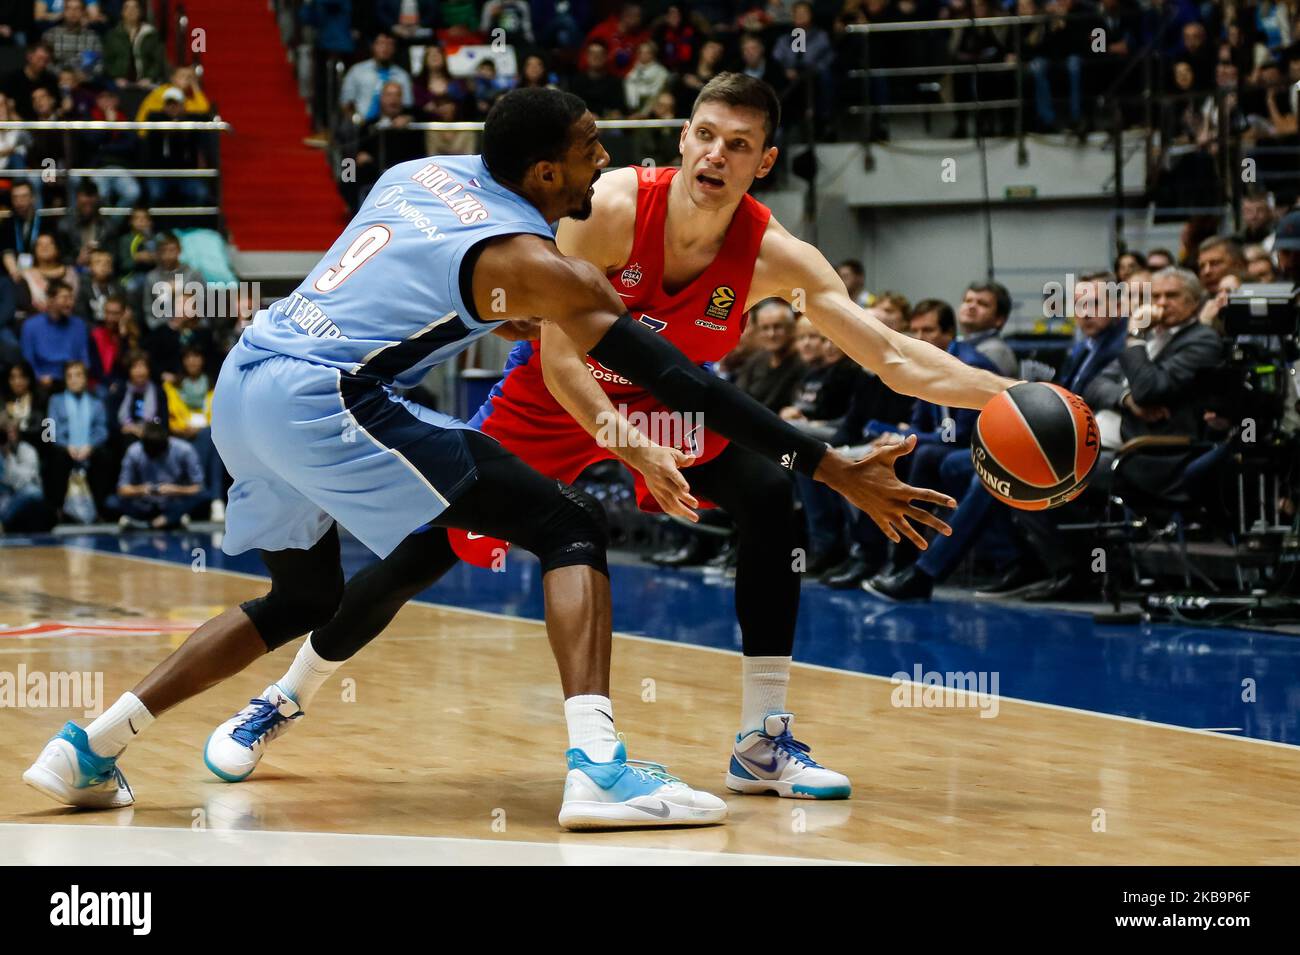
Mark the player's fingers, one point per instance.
(675, 503)
(885, 528)
(930, 520)
(682, 459)
(929, 496)
(911, 533)
(895, 451)
(677, 508)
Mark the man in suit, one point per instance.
(1161, 383)
(1100, 309)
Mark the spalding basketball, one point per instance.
(1035, 446)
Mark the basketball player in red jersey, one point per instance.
(689, 252)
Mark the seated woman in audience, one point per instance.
(141, 401)
(189, 412)
(46, 267)
(24, 402)
(133, 50)
(440, 98)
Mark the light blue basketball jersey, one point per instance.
(385, 302)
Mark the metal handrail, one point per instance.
(214, 125)
(55, 212)
(116, 172)
(951, 69)
(956, 23)
(477, 125)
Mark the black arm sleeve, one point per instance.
(652, 362)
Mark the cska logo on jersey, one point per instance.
(631, 275)
(720, 302)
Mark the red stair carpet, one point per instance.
(278, 195)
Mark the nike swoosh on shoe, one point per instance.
(661, 812)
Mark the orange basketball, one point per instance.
(1035, 446)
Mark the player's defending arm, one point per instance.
(796, 271)
(569, 380)
(542, 284)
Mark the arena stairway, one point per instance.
(279, 194)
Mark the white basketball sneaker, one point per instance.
(68, 771)
(236, 746)
(626, 793)
(771, 760)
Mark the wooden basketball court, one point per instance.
(449, 728)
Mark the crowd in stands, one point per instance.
(649, 59)
(74, 61)
(1171, 382)
(108, 353)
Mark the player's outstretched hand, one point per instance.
(871, 485)
(662, 469)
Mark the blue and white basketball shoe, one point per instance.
(236, 746)
(771, 760)
(70, 772)
(627, 793)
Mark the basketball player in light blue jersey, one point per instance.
(309, 423)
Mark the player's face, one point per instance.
(581, 168)
(722, 153)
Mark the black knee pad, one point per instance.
(293, 608)
(576, 532)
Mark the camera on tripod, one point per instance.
(1262, 326)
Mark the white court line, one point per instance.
(54, 844)
(812, 666)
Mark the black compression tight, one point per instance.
(759, 496)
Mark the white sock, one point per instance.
(307, 674)
(762, 690)
(118, 725)
(591, 726)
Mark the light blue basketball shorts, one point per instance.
(308, 444)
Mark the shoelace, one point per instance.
(648, 771)
(644, 769)
(264, 721)
(794, 749)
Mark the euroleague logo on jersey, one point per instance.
(720, 303)
(631, 276)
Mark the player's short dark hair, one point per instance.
(168, 238)
(55, 286)
(527, 126)
(1001, 297)
(947, 318)
(740, 89)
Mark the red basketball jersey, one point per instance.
(703, 319)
